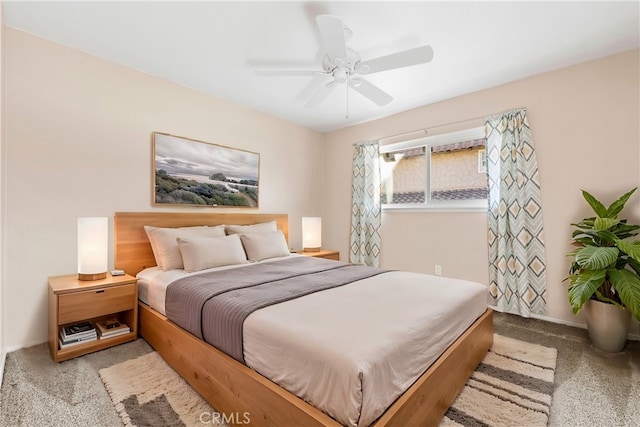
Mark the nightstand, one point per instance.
(335, 255)
(72, 301)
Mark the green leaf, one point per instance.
(585, 241)
(602, 298)
(597, 207)
(599, 237)
(595, 258)
(630, 248)
(617, 206)
(577, 233)
(627, 285)
(602, 224)
(575, 268)
(623, 226)
(585, 224)
(622, 236)
(624, 231)
(635, 265)
(583, 286)
(575, 251)
(607, 236)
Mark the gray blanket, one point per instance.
(213, 305)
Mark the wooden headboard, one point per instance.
(132, 249)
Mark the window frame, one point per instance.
(471, 205)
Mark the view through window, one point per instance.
(446, 170)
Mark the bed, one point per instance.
(232, 387)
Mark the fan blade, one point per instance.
(290, 73)
(321, 94)
(332, 34)
(406, 58)
(311, 87)
(374, 93)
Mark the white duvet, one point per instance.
(351, 351)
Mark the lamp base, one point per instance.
(89, 277)
(311, 249)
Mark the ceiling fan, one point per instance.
(344, 65)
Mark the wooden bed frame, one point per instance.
(235, 389)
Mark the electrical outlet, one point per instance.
(438, 270)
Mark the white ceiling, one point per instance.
(215, 47)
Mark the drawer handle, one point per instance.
(100, 291)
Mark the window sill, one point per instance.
(469, 206)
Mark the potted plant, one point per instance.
(605, 273)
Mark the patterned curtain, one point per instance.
(366, 213)
(517, 271)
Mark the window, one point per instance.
(442, 172)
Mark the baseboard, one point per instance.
(3, 358)
(632, 336)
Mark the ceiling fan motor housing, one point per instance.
(340, 68)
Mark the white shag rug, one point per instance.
(147, 392)
(512, 386)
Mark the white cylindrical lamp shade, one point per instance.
(93, 246)
(311, 234)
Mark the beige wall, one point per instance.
(585, 125)
(79, 144)
(2, 196)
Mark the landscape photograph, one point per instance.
(191, 172)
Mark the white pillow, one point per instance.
(165, 247)
(263, 227)
(259, 246)
(199, 253)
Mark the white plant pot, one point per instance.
(608, 325)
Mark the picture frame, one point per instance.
(189, 172)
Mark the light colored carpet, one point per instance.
(592, 389)
(512, 386)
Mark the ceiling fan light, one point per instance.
(340, 74)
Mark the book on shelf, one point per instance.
(111, 328)
(79, 329)
(72, 342)
(82, 335)
(76, 334)
(115, 334)
(70, 339)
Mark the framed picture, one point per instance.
(197, 173)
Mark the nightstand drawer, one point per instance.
(79, 306)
